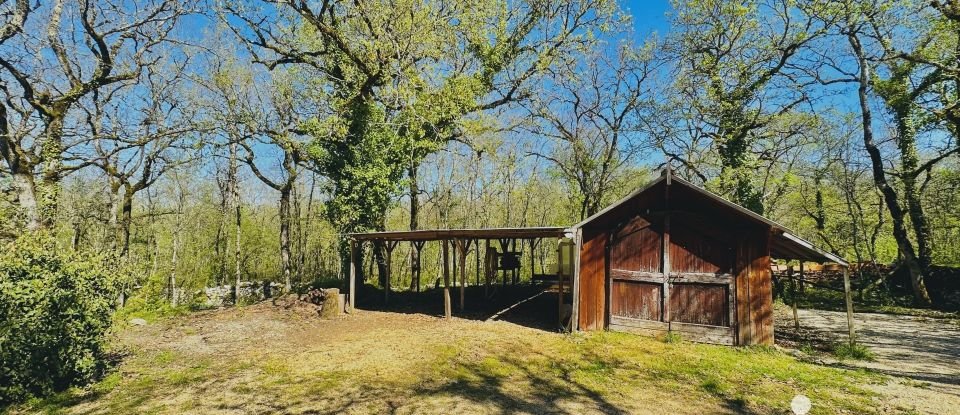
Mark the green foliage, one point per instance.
(856, 351)
(55, 309)
(672, 338)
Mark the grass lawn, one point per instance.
(260, 359)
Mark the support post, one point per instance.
(560, 282)
(802, 285)
(849, 298)
(390, 245)
(446, 280)
(415, 264)
(477, 250)
(666, 269)
(575, 311)
(353, 275)
(463, 247)
(487, 270)
(533, 247)
(793, 292)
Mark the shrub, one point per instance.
(856, 351)
(55, 309)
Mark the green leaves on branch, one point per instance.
(55, 309)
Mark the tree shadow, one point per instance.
(529, 305)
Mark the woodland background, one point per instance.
(201, 143)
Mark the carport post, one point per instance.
(353, 274)
(793, 292)
(849, 298)
(446, 280)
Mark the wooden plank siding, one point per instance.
(754, 290)
(697, 303)
(636, 299)
(592, 290)
(691, 250)
(688, 265)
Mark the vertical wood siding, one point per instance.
(754, 290)
(636, 299)
(692, 250)
(636, 247)
(699, 304)
(593, 280)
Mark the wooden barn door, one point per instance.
(637, 282)
(670, 275)
(701, 283)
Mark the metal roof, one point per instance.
(449, 234)
(785, 244)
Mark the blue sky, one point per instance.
(648, 15)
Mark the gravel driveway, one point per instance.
(922, 352)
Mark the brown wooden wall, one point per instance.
(754, 290)
(693, 250)
(592, 281)
(717, 284)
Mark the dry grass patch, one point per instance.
(261, 360)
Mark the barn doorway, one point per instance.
(671, 276)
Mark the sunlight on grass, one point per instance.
(489, 368)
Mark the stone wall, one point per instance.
(250, 292)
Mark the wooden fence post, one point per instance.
(793, 291)
(846, 293)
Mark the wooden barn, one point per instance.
(673, 257)
(670, 257)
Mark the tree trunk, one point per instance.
(51, 153)
(414, 224)
(126, 218)
(27, 198)
(879, 177)
(234, 189)
(285, 255)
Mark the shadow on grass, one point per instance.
(540, 312)
(560, 386)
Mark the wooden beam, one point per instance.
(353, 275)
(463, 248)
(446, 280)
(416, 266)
(533, 247)
(390, 246)
(803, 287)
(575, 311)
(666, 269)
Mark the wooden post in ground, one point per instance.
(560, 281)
(793, 292)
(415, 264)
(515, 273)
(353, 275)
(575, 281)
(846, 294)
(477, 250)
(487, 270)
(802, 285)
(463, 247)
(446, 280)
(390, 245)
(533, 247)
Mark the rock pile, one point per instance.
(323, 303)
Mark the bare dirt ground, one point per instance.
(922, 354)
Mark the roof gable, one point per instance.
(786, 244)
